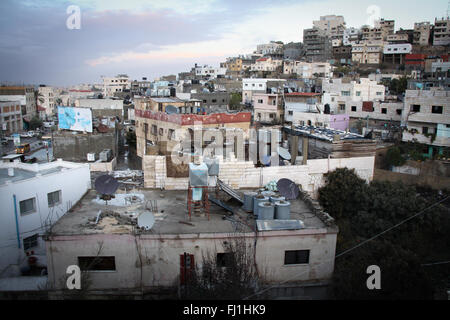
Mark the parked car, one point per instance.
(5, 141)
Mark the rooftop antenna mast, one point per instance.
(448, 9)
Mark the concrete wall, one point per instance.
(435, 182)
(243, 174)
(73, 182)
(103, 166)
(75, 147)
(161, 256)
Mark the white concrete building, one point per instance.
(209, 71)
(10, 117)
(250, 85)
(362, 90)
(115, 84)
(26, 97)
(400, 48)
(306, 70)
(266, 64)
(34, 197)
(426, 117)
(351, 36)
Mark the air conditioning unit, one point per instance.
(91, 157)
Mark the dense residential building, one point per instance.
(34, 197)
(209, 72)
(266, 64)
(102, 107)
(383, 28)
(258, 85)
(234, 64)
(317, 44)
(368, 52)
(333, 25)
(47, 94)
(306, 70)
(351, 36)
(10, 117)
(426, 117)
(441, 32)
(26, 96)
(111, 85)
(396, 53)
(272, 48)
(268, 108)
(422, 33)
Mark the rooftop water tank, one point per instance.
(268, 194)
(277, 198)
(283, 210)
(266, 211)
(256, 200)
(248, 201)
(198, 175)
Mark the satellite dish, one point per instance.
(146, 220)
(106, 185)
(170, 109)
(284, 153)
(288, 189)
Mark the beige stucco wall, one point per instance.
(160, 255)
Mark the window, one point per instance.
(171, 134)
(161, 131)
(399, 112)
(345, 93)
(54, 198)
(436, 109)
(154, 129)
(271, 116)
(425, 130)
(379, 93)
(353, 108)
(415, 107)
(97, 263)
(27, 206)
(383, 110)
(214, 101)
(260, 101)
(296, 257)
(224, 259)
(290, 112)
(342, 107)
(358, 93)
(160, 107)
(30, 242)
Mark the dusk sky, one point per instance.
(160, 37)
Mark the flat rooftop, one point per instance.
(22, 174)
(170, 213)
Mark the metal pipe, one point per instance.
(17, 221)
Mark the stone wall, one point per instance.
(243, 174)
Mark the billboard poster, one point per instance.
(76, 119)
(16, 138)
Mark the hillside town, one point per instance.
(138, 182)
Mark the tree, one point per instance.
(232, 276)
(344, 193)
(394, 157)
(35, 123)
(401, 252)
(235, 100)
